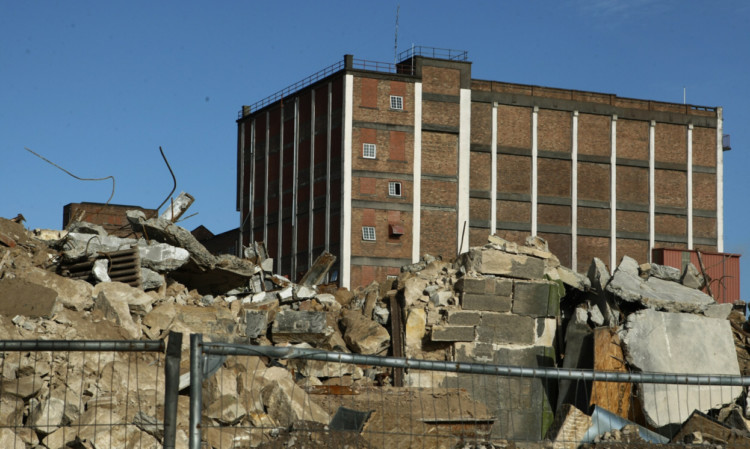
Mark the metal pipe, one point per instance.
(196, 381)
(171, 388)
(475, 368)
(91, 346)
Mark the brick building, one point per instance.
(380, 163)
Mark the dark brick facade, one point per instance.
(292, 177)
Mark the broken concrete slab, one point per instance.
(364, 336)
(598, 274)
(165, 231)
(692, 278)
(654, 293)
(21, 297)
(491, 261)
(292, 326)
(115, 307)
(664, 272)
(162, 257)
(78, 245)
(317, 273)
(72, 294)
(537, 298)
(139, 303)
(177, 207)
(659, 341)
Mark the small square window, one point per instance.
(368, 233)
(397, 102)
(368, 150)
(394, 188)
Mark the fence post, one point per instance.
(196, 381)
(171, 387)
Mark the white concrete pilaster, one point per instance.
(241, 185)
(651, 188)
(416, 233)
(311, 203)
(346, 203)
(464, 160)
(613, 195)
(295, 188)
(534, 167)
(493, 172)
(690, 186)
(719, 180)
(574, 193)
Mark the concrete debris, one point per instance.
(650, 339)
(504, 303)
(654, 293)
(177, 207)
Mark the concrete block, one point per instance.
(492, 261)
(485, 286)
(492, 303)
(298, 326)
(452, 333)
(21, 297)
(686, 344)
(537, 298)
(464, 317)
(521, 405)
(501, 328)
(256, 323)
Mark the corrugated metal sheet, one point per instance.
(722, 269)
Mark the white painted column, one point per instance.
(251, 200)
(346, 203)
(295, 188)
(279, 268)
(690, 186)
(328, 168)
(464, 159)
(651, 188)
(311, 203)
(241, 186)
(719, 180)
(493, 172)
(613, 195)
(574, 194)
(265, 181)
(416, 230)
(534, 167)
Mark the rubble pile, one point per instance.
(503, 303)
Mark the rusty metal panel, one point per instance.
(722, 269)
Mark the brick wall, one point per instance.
(110, 216)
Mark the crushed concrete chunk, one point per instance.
(654, 293)
(680, 343)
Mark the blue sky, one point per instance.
(97, 87)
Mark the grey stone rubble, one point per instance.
(503, 303)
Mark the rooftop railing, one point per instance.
(360, 64)
(432, 52)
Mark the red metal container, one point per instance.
(722, 270)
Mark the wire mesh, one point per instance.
(295, 397)
(58, 394)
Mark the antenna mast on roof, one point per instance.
(395, 44)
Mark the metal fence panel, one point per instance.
(87, 394)
(263, 396)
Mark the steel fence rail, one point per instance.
(85, 346)
(475, 368)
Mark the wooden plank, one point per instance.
(615, 397)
